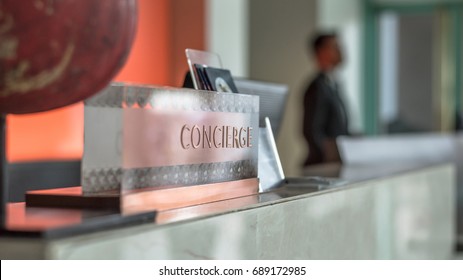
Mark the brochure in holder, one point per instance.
(160, 148)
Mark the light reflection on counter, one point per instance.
(37, 219)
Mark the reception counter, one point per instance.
(383, 212)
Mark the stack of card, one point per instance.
(215, 79)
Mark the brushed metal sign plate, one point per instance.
(143, 137)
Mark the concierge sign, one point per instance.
(146, 137)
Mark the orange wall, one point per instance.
(149, 60)
(52, 135)
(187, 25)
(165, 29)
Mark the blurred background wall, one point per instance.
(278, 53)
(402, 73)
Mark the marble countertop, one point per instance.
(59, 222)
(364, 172)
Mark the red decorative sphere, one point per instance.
(57, 52)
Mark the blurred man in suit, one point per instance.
(325, 116)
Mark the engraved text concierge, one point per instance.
(207, 136)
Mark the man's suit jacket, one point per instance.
(325, 118)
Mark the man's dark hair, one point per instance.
(318, 41)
